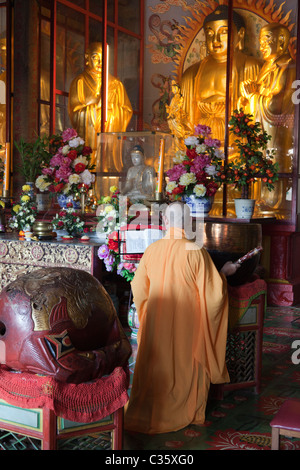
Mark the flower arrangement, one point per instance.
(109, 223)
(252, 164)
(69, 220)
(69, 169)
(110, 254)
(195, 169)
(24, 213)
(108, 211)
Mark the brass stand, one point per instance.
(6, 198)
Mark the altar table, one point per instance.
(18, 256)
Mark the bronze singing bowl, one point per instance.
(229, 242)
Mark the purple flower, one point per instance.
(175, 172)
(103, 251)
(68, 134)
(109, 261)
(120, 268)
(212, 142)
(203, 130)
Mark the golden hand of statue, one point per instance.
(248, 88)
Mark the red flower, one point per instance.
(113, 245)
(191, 153)
(62, 213)
(79, 167)
(59, 187)
(178, 190)
(60, 223)
(69, 204)
(86, 150)
(72, 154)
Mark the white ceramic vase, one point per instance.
(244, 208)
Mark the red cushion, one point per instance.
(288, 417)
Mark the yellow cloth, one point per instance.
(182, 305)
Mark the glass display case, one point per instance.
(114, 157)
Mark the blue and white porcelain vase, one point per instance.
(244, 208)
(199, 206)
(63, 200)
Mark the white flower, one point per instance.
(219, 154)
(41, 184)
(87, 177)
(74, 179)
(179, 157)
(76, 141)
(170, 186)
(187, 178)
(80, 159)
(201, 148)
(211, 170)
(67, 188)
(191, 141)
(199, 190)
(65, 149)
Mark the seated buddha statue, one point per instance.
(140, 178)
(84, 104)
(203, 85)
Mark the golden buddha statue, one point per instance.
(177, 118)
(140, 178)
(85, 102)
(203, 85)
(269, 100)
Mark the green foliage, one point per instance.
(34, 155)
(255, 160)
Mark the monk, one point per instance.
(182, 304)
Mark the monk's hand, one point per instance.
(230, 268)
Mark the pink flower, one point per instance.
(56, 160)
(129, 267)
(48, 171)
(63, 173)
(175, 172)
(68, 134)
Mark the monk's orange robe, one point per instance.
(182, 305)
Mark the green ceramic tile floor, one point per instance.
(241, 421)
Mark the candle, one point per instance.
(161, 166)
(6, 167)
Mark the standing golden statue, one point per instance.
(269, 98)
(177, 118)
(85, 102)
(203, 85)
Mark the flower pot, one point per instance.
(199, 206)
(244, 208)
(43, 201)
